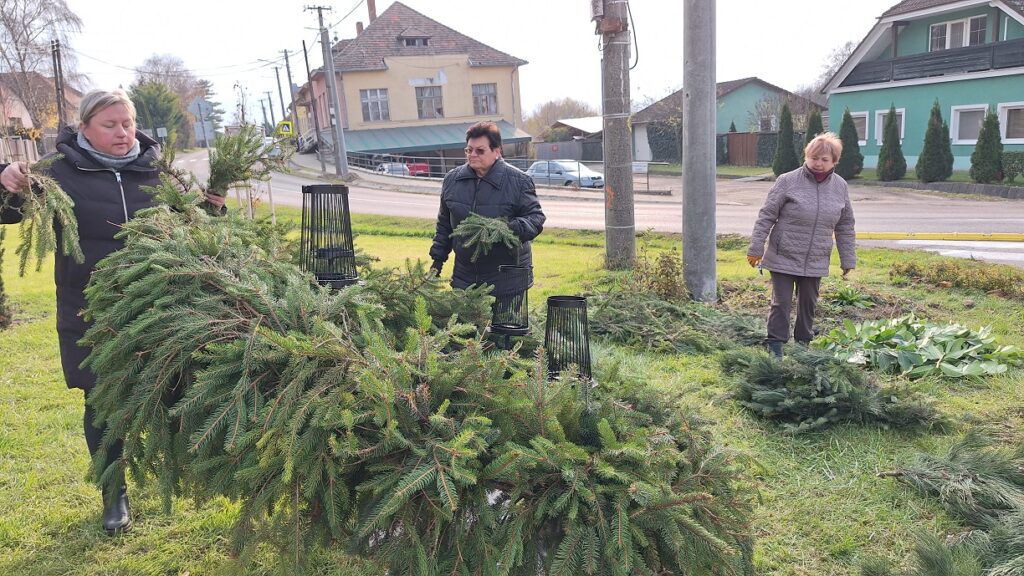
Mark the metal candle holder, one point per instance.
(510, 313)
(326, 241)
(567, 335)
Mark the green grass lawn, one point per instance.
(822, 506)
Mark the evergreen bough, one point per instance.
(481, 234)
(785, 159)
(892, 165)
(931, 164)
(987, 158)
(374, 418)
(947, 151)
(852, 161)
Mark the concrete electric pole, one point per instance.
(612, 17)
(698, 144)
(270, 102)
(291, 97)
(312, 112)
(280, 94)
(340, 155)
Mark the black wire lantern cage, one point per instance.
(510, 313)
(567, 336)
(326, 241)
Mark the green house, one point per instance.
(967, 54)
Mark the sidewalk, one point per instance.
(308, 165)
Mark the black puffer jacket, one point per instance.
(504, 191)
(104, 200)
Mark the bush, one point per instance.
(1013, 165)
(785, 159)
(948, 152)
(991, 278)
(664, 139)
(814, 127)
(931, 165)
(891, 163)
(852, 161)
(987, 158)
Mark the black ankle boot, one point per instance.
(775, 347)
(117, 516)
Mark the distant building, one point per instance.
(20, 92)
(411, 85)
(967, 54)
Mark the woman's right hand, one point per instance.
(753, 261)
(14, 178)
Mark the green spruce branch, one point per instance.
(482, 234)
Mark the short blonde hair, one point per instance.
(97, 100)
(826, 141)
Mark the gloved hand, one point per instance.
(753, 261)
(436, 267)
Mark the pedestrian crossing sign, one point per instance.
(284, 128)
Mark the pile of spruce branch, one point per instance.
(648, 321)
(374, 418)
(980, 482)
(809, 390)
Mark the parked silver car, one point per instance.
(565, 173)
(393, 168)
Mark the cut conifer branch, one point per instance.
(482, 234)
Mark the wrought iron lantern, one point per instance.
(326, 240)
(567, 335)
(510, 313)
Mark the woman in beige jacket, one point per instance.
(792, 237)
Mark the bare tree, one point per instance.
(550, 112)
(170, 71)
(26, 29)
(833, 62)
(764, 116)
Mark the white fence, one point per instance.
(17, 150)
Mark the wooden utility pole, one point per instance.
(698, 144)
(291, 98)
(58, 84)
(612, 18)
(312, 112)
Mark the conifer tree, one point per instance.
(987, 158)
(947, 150)
(852, 161)
(785, 159)
(732, 126)
(892, 165)
(931, 164)
(815, 126)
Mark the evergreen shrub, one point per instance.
(852, 161)
(892, 165)
(931, 164)
(1013, 165)
(785, 159)
(987, 158)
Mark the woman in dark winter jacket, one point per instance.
(487, 186)
(804, 210)
(103, 167)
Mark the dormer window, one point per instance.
(416, 41)
(414, 37)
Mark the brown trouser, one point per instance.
(782, 303)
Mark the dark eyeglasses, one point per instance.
(478, 151)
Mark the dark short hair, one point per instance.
(489, 129)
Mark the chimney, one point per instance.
(359, 28)
(371, 5)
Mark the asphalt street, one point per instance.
(878, 210)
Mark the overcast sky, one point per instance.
(784, 42)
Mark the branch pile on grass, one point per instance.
(374, 418)
(809, 390)
(647, 321)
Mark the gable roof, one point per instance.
(913, 8)
(380, 40)
(672, 104)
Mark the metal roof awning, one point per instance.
(422, 138)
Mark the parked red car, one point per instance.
(418, 168)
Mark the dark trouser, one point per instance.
(94, 435)
(782, 303)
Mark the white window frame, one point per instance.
(967, 32)
(1002, 110)
(375, 100)
(954, 121)
(867, 126)
(484, 100)
(880, 124)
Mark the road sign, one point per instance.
(284, 128)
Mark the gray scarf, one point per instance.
(113, 162)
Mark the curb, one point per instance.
(954, 236)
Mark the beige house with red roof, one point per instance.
(411, 85)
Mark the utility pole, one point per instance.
(698, 143)
(280, 95)
(340, 155)
(58, 84)
(291, 97)
(264, 108)
(270, 102)
(619, 225)
(312, 112)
